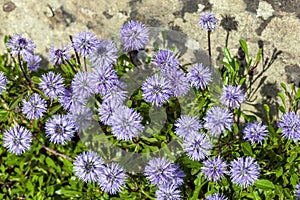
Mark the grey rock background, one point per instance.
(274, 22)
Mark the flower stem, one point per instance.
(84, 63)
(23, 71)
(209, 47)
(76, 53)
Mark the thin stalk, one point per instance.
(76, 53)
(209, 47)
(84, 63)
(23, 71)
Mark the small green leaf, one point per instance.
(50, 162)
(227, 55)
(244, 47)
(246, 148)
(264, 184)
(54, 109)
(279, 172)
(15, 102)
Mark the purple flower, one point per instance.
(255, 132)
(17, 139)
(297, 191)
(168, 192)
(290, 126)
(33, 62)
(244, 171)
(106, 54)
(116, 94)
(35, 107)
(106, 110)
(19, 45)
(112, 179)
(197, 145)
(161, 172)
(59, 56)
(126, 123)
(81, 86)
(52, 85)
(186, 125)
(81, 115)
(208, 21)
(217, 120)
(157, 90)
(88, 166)
(85, 43)
(134, 35)
(165, 60)
(66, 99)
(103, 79)
(199, 76)
(232, 96)
(216, 196)
(60, 129)
(214, 169)
(3, 82)
(178, 81)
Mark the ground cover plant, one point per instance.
(134, 121)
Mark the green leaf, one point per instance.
(54, 109)
(264, 184)
(227, 55)
(246, 148)
(50, 162)
(68, 193)
(16, 102)
(279, 172)
(244, 47)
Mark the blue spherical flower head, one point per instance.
(178, 81)
(214, 169)
(106, 54)
(216, 196)
(157, 90)
(186, 125)
(297, 191)
(19, 45)
(217, 120)
(35, 107)
(116, 94)
(168, 192)
(232, 96)
(103, 79)
(165, 60)
(112, 179)
(66, 99)
(255, 132)
(199, 76)
(3, 82)
(88, 166)
(17, 139)
(244, 171)
(106, 111)
(290, 126)
(60, 129)
(208, 21)
(52, 85)
(134, 36)
(126, 123)
(161, 172)
(85, 43)
(197, 146)
(81, 86)
(33, 62)
(59, 56)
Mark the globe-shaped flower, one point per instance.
(169, 191)
(52, 85)
(35, 107)
(290, 126)
(3, 81)
(214, 169)
(157, 90)
(112, 179)
(178, 81)
(197, 146)
(255, 132)
(216, 196)
(244, 171)
(208, 21)
(19, 45)
(134, 36)
(85, 43)
(106, 54)
(60, 129)
(17, 139)
(81, 86)
(103, 79)
(66, 99)
(297, 191)
(165, 60)
(88, 166)
(217, 120)
(33, 62)
(106, 111)
(186, 125)
(232, 96)
(126, 123)
(161, 172)
(116, 94)
(59, 56)
(199, 76)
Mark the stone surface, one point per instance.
(273, 23)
